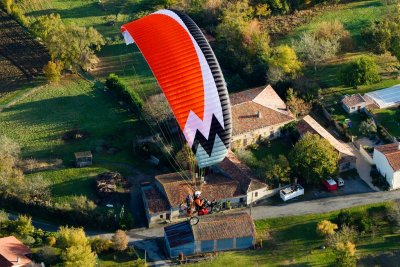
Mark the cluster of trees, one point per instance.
(13, 183)
(362, 70)
(71, 47)
(312, 158)
(69, 246)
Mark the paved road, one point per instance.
(321, 205)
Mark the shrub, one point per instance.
(378, 180)
(326, 228)
(363, 70)
(392, 213)
(51, 240)
(120, 240)
(100, 245)
(52, 71)
(114, 84)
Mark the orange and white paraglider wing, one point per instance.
(188, 73)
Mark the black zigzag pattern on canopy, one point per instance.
(208, 143)
(224, 134)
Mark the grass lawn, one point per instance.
(277, 147)
(354, 16)
(389, 120)
(294, 242)
(69, 182)
(40, 120)
(339, 114)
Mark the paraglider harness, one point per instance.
(201, 206)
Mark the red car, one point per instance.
(330, 184)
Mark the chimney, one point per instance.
(259, 114)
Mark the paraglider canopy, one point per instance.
(188, 73)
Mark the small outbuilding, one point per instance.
(212, 233)
(353, 103)
(83, 159)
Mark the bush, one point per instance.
(384, 135)
(363, 70)
(51, 240)
(392, 213)
(52, 71)
(360, 220)
(100, 245)
(114, 84)
(378, 180)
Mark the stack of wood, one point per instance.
(107, 182)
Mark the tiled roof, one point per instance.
(156, 202)
(257, 108)
(240, 172)
(245, 117)
(392, 154)
(353, 100)
(221, 226)
(245, 96)
(11, 248)
(179, 234)
(216, 187)
(308, 124)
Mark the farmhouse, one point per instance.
(387, 161)
(230, 183)
(257, 113)
(353, 103)
(212, 233)
(347, 158)
(13, 253)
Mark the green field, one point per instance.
(354, 16)
(389, 119)
(293, 241)
(39, 122)
(115, 57)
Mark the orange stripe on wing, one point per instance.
(169, 51)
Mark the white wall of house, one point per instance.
(355, 108)
(258, 194)
(383, 166)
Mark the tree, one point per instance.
(326, 228)
(363, 70)
(100, 245)
(75, 247)
(52, 71)
(157, 110)
(368, 128)
(79, 256)
(278, 170)
(284, 59)
(334, 30)
(74, 46)
(315, 51)
(7, 4)
(120, 240)
(377, 36)
(297, 105)
(346, 254)
(9, 148)
(314, 158)
(35, 189)
(11, 177)
(23, 225)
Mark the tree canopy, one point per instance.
(314, 158)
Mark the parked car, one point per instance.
(330, 184)
(339, 181)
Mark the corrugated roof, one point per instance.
(222, 226)
(392, 154)
(179, 234)
(11, 248)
